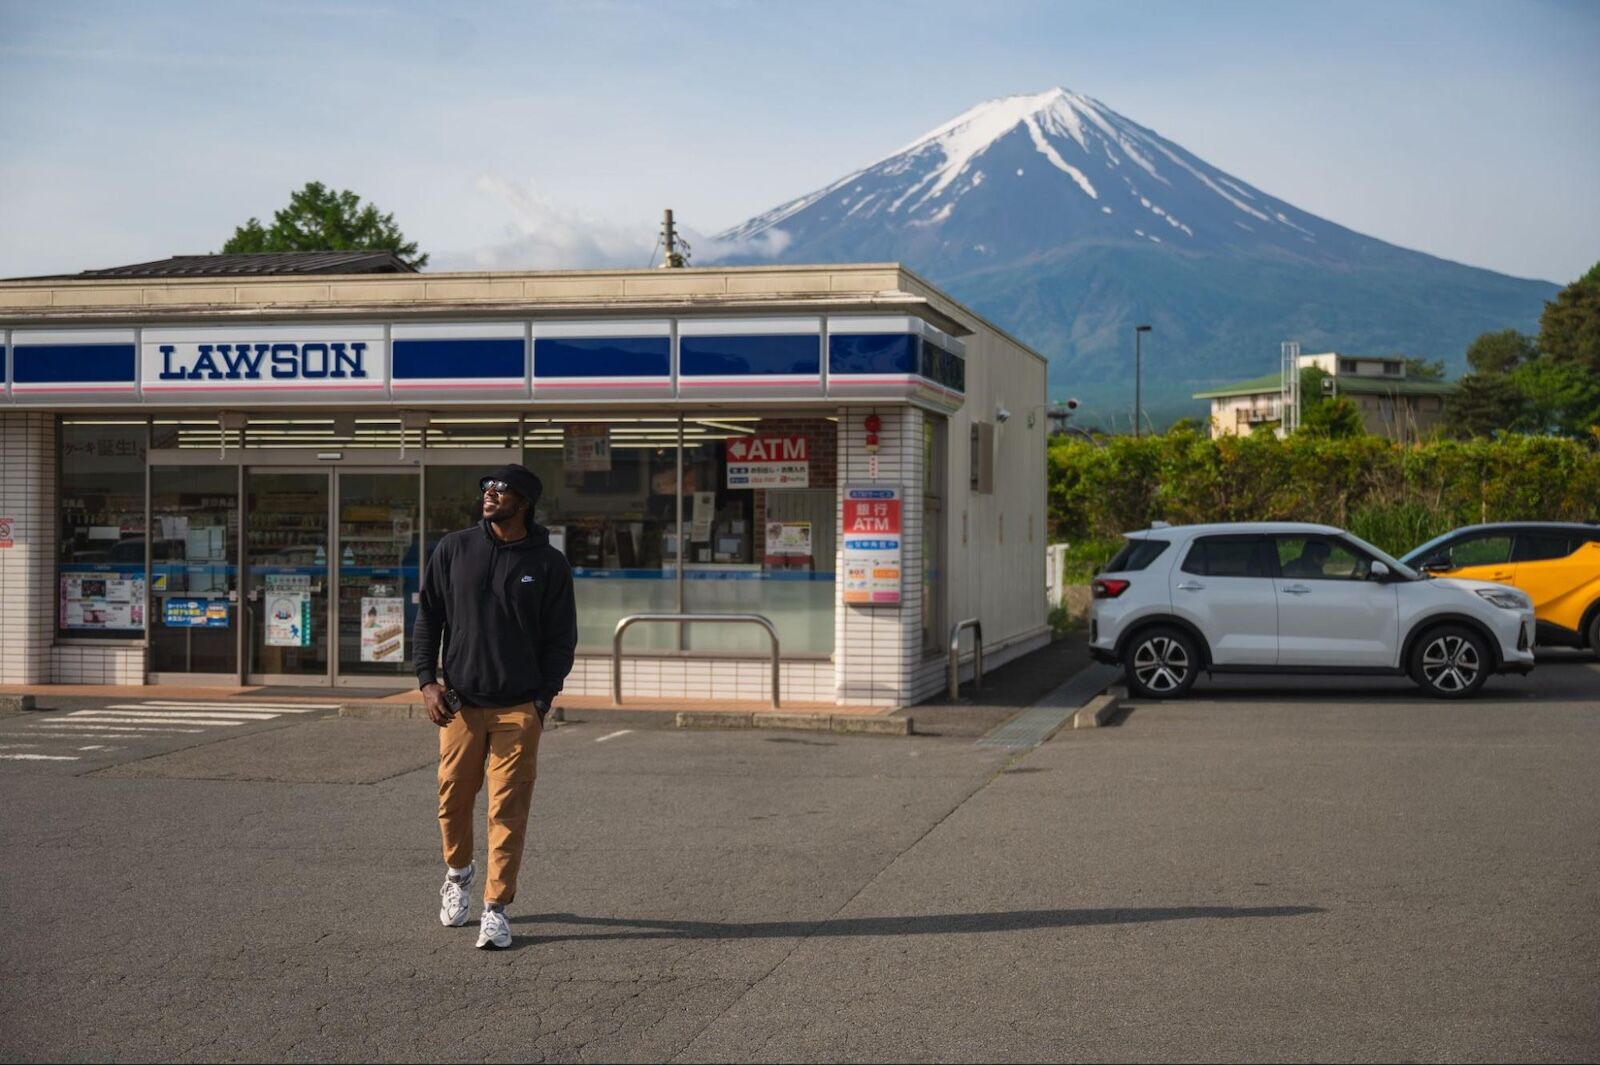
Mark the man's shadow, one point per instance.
(931, 924)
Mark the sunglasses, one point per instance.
(497, 487)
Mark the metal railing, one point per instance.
(681, 620)
(955, 656)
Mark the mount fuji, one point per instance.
(1065, 223)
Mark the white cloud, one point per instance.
(543, 235)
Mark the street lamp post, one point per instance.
(1138, 404)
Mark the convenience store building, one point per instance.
(236, 478)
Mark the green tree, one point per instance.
(322, 219)
(1560, 397)
(1569, 328)
(1336, 419)
(1483, 403)
(1311, 393)
(1500, 352)
(1420, 369)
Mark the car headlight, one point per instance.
(1505, 598)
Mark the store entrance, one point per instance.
(331, 568)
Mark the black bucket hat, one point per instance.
(522, 480)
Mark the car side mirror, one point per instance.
(1379, 572)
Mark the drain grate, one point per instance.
(1040, 721)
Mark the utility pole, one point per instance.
(673, 259)
(1138, 406)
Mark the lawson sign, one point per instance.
(269, 360)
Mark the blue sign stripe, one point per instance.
(887, 353)
(739, 356)
(556, 357)
(466, 358)
(73, 363)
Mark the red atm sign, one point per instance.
(869, 517)
(768, 462)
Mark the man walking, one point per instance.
(499, 597)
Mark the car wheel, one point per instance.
(1594, 634)
(1161, 663)
(1451, 662)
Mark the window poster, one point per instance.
(288, 618)
(383, 628)
(195, 613)
(789, 538)
(586, 448)
(872, 543)
(101, 600)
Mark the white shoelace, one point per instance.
(493, 923)
(455, 894)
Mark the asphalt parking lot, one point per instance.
(1271, 870)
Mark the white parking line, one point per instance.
(97, 747)
(52, 733)
(613, 735)
(15, 746)
(88, 726)
(140, 711)
(128, 718)
(39, 757)
(282, 708)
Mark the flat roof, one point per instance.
(885, 288)
(1348, 384)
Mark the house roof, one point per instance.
(251, 264)
(1348, 384)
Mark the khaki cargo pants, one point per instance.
(504, 741)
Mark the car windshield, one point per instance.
(1416, 554)
(1395, 565)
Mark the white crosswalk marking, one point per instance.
(129, 717)
(88, 726)
(39, 757)
(236, 704)
(139, 711)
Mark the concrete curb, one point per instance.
(408, 712)
(1097, 711)
(851, 724)
(16, 704)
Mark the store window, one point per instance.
(760, 505)
(610, 499)
(194, 571)
(101, 580)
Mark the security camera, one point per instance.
(1001, 414)
(1072, 404)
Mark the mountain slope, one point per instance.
(1066, 223)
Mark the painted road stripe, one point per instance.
(282, 708)
(97, 747)
(221, 715)
(613, 735)
(114, 726)
(50, 733)
(15, 746)
(39, 757)
(134, 717)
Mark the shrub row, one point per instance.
(1394, 496)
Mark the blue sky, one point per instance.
(550, 135)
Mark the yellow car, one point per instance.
(1556, 563)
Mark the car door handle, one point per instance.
(1500, 575)
(1191, 586)
(1296, 589)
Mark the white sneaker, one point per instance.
(455, 897)
(493, 929)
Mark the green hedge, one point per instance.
(1396, 497)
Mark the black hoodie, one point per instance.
(506, 613)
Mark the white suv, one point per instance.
(1290, 597)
